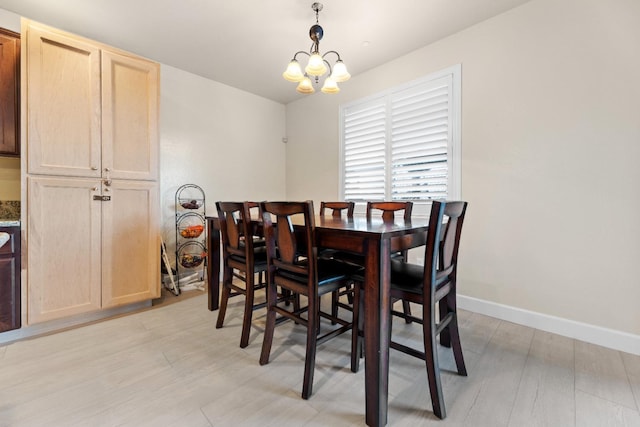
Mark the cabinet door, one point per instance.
(129, 117)
(131, 246)
(10, 280)
(9, 92)
(63, 255)
(9, 297)
(63, 104)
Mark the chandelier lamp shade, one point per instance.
(317, 65)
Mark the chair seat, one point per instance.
(329, 271)
(259, 257)
(409, 277)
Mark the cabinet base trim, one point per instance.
(59, 325)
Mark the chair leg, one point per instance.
(224, 298)
(248, 309)
(431, 360)
(457, 347)
(445, 335)
(357, 323)
(335, 295)
(406, 308)
(452, 333)
(350, 295)
(312, 337)
(270, 326)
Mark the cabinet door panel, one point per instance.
(63, 260)
(131, 249)
(9, 294)
(9, 92)
(63, 114)
(129, 116)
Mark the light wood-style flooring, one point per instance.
(169, 366)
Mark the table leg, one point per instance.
(213, 264)
(376, 331)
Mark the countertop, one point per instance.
(9, 213)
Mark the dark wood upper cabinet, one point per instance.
(9, 93)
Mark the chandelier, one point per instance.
(317, 65)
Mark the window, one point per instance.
(404, 143)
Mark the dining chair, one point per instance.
(387, 211)
(243, 256)
(337, 209)
(293, 265)
(430, 285)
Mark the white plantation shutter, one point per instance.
(404, 144)
(419, 141)
(365, 151)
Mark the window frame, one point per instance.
(421, 207)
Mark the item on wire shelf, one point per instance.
(192, 231)
(191, 203)
(189, 260)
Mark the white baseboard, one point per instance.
(610, 338)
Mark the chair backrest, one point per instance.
(254, 208)
(290, 237)
(389, 209)
(235, 228)
(337, 208)
(443, 242)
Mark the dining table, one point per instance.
(376, 240)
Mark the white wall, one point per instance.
(9, 20)
(211, 135)
(550, 149)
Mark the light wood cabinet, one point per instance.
(9, 93)
(86, 253)
(91, 111)
(130, 245)
(92, 169)
(129, 116)
(64, 247)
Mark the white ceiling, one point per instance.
(247, 44)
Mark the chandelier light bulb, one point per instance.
(293, 72)
(340, 73)
(316, 66)
(330, 86)
(305, 86)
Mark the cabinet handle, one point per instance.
(107, 169)
(94, 168)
